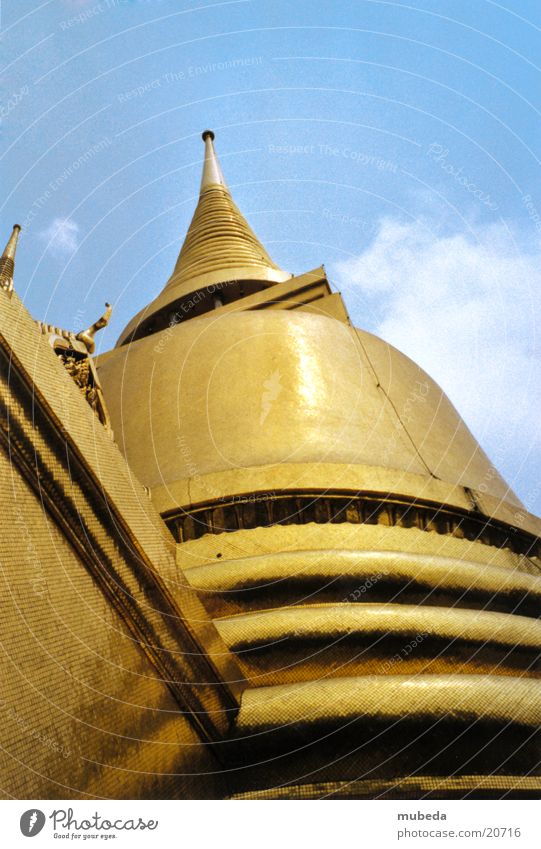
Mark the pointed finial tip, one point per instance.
(207, 134)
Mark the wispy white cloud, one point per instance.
(61, 237)
(465, 307)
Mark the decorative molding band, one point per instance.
(291, 507)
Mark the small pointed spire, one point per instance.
(7, 260)
(212, 173)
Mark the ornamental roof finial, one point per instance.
(7, 260)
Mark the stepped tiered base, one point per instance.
(376, 671)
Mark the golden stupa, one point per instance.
(354, 584)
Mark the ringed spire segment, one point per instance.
(212, 173)
(220, 250)
(7, 260)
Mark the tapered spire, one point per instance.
(212, 173)
(220, 250)
(7, 260)
(220, 245)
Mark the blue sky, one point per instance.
(397, 142)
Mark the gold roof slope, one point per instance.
(220, 245)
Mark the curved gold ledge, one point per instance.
(446, 573)
(336, 621)
(257, 510)
(191, 492)
(393, 697)
(407, 787)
